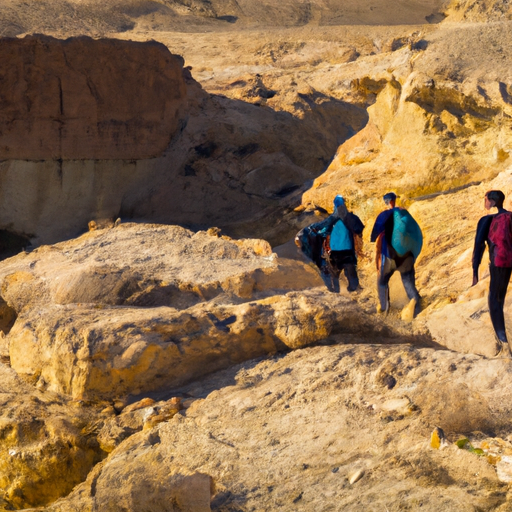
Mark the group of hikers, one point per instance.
(334, 244)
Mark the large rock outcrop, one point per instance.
(438, 122)
(88, 99)
(143, 141)
(140, 308)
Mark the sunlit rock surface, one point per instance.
(290, 432)
(140, 308)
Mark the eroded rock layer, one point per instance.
(87, 99)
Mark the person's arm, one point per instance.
(380, 224)
(378, 250)
(482, 233)
(324, 227)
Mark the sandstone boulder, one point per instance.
(138, 308)
(48, 443)
(92, 352)
(148, 265)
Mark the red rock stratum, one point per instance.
(87, 99)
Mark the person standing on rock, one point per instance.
(332, 243)
(496, 231)
(399, 241)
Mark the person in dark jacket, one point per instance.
(495, 231)
(388, 260)
(337, 236)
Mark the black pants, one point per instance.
(500, 277)
(388, 266)
(332, 267)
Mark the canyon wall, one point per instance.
(96, 130)
(88, 99)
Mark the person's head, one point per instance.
(494, 199)
(340, 208)
(390, 199)
(338, 201)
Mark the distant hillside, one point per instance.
(73, 17)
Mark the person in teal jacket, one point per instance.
(389, 259)
(337, 235)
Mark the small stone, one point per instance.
(141, 404)
(354, 477)
(41, 384)
(389, 381)
(108, 411)
(438, 439)
(504, 469)
(188, 402)
(213, 232)
(119, 406)
(298, 498)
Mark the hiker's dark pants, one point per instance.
(388, 266)
(332, 267)
(500, 277)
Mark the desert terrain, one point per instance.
(164, 345)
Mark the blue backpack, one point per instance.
(340, 239)
(407, 235)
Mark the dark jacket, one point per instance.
(384, 224)
(312, 237)
(481, 238)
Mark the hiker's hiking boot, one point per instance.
(502, 350)
(408, 311)
(381, 311)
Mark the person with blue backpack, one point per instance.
(331, 244)
(399, 242)
(496, 231)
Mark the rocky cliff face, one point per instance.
(435, 114)
(85, 99)
(80, 142)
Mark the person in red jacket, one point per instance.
(496, 231)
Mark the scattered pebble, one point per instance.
(356, 476)
(438, 439)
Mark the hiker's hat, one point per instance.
(338, 201)
(390, 196)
